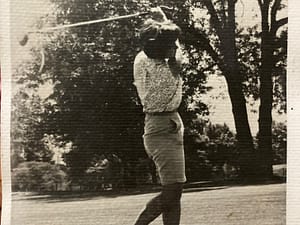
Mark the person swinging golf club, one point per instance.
(159, 87)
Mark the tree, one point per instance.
(90, 68)
(270, 25)
(94, 104)
(220, 41)
(249, 45)
(223, 52)
(27, 131)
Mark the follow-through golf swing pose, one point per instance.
(159, 86)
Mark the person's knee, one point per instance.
(171, 195)
(175, 188)
(154, 203)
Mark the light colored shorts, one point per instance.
(163, 140)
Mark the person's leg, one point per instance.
(167, 203)
(171, 196)
(153, 210)
(166, 150)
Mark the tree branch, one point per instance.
(216, 23)
(278, 24)
(274, 10)
(199, 40)
(231, 15)
(223, 13)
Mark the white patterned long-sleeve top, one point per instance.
(158, 88)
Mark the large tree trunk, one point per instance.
(233, 77)
(225, 26)
(245, 142)
(266, 96)
(269, 25)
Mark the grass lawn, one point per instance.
(237, 205)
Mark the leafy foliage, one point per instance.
(94, 104)
(208, 148)
(250, 62)
(37, 176)
(28, 129)
(279, 143)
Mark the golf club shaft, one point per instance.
(50, 29)
(90, 22)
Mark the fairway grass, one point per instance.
(238, 205)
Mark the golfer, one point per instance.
(159, 86)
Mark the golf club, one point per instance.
(25, 39)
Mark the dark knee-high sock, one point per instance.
(172, 215)
(167, 203)
(153, 210)
(171, 196)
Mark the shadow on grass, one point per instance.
(147, 189)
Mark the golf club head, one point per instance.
(24, 41)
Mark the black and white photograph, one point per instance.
(137, 112)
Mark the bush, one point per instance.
(38, 176)
(279, 143)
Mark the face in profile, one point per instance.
(159, 40)
(171, 50)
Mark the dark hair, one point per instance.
(157, 37)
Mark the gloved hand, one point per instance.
(158, 15)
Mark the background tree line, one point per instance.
(94, 106)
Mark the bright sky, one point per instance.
(25, 12)
(23, 15)
(220, 111)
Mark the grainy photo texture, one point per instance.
(131, 112)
